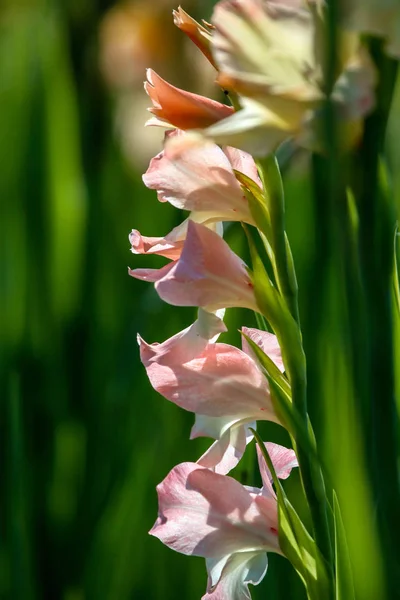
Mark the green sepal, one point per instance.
(257, 203)
(270, 368)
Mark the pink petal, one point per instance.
(208, 274)
(244, 163)
(220, 381)
(268, 342)
(152, 275)
(239, 570)
(185, 345)
(176, 107)
(205, 514)
(169, 246)
(283, 459)
(201, 179)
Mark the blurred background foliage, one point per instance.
(84, 438)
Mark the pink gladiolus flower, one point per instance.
(232, 435)
(208, 274)
(269, 53)
(201, 179)
(174, 107)
(205, 514)
(221, 384)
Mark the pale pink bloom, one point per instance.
(174, 107)
(205, 514)
(232, 433)
(208, 274)
(217, 382)
(199, 34)
(221, 384)
(201, 179)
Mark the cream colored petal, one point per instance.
(264, 47)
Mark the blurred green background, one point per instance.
(84, 438)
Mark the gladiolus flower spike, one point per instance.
(218, 164)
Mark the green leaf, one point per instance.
(344, 576)
(295, 541)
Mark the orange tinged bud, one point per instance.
(173, 107)
(199, 34)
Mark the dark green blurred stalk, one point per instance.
(332, 255)
(19, 509)
(377, 226)
(354, 302)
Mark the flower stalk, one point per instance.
(300, 75)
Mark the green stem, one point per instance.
(292, 347)
(310, 473)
